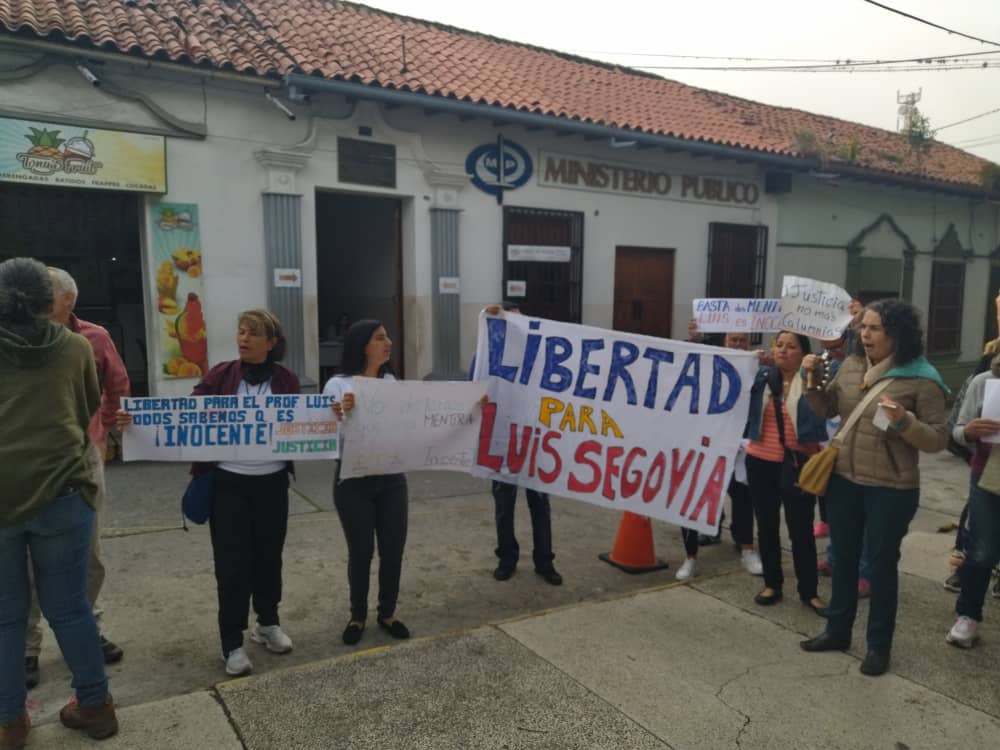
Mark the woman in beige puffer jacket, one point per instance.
(875, 487)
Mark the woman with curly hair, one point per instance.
(875, 485)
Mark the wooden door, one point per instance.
(644, 290)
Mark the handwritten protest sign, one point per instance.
(399, 426)
(721, 315)
(814, 308)
(619, 420)
(230, 428)
(991, 408)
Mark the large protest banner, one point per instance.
(230, 428)
(725, 315)
(398, 426)
(619, 420)
(816, 309)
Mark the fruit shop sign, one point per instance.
(230, 428)
(622, 421)
(71, 156)
(181, 332)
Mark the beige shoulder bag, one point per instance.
(816, 472)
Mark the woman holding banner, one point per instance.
(875, 485)
(249, 509)
(779, 445)
(370, 507)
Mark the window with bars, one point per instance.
(737, 262)
(944, 316)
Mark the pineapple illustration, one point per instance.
(45, 143)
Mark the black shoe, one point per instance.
(502, 573)
(396, 629)
(704, 540)
(766, 601)
(550, 576)
(112, 652)
(874, 664)
(824, 642)
(352, 633)
(31, 675)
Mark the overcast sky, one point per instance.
(796, 29)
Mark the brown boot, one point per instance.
(14, 734)
(99, 722)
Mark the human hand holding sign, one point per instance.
(122, 419)
(977, 429)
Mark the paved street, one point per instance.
(606, 661)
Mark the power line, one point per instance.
(993, 62)
(931, 23)
(751, 58)
(960, 61)
(967, 119)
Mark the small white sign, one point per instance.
(737, 315)
(517, 288)
(539, 253)
(288, 277)
(991, 407)
(814, 308)
(449, 285)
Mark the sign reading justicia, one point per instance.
(581, 173)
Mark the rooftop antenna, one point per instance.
(404, 69)
(907, 111)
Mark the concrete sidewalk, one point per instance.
(605, 661)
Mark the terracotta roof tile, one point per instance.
(352, 42)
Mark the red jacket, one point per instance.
(111, 375)
(224, 380)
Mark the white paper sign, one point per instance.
(517, 288)
(399, 426)
(539, 253)
(623, 421)
(449, 285)
(230, 428)
(720, 315)
(814, 308)
(991, 408)
(288, 277)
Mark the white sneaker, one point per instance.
(688, 570)
(751, 562)
(271, 637)
(963, 633)
(237, 663)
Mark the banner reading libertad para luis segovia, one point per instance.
(622, 421)
(44, 153)
(176, 269)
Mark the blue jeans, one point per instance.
(59, 541)
(982, 551)
(508, 551)
(882, 515)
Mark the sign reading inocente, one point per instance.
(814, 308)
(398, 426)
(230, 428)
(722, 315)
(615, 419)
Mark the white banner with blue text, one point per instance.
(623, 421)
(230, 428)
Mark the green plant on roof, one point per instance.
(989, 176)
(45, 142)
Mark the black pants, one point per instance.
(248, 524)
(741, 525)
(371, 508)
(767, 497)
(508, 551)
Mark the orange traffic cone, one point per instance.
(633, 550)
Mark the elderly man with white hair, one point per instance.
(113, 379)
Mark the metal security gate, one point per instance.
(543, 262)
